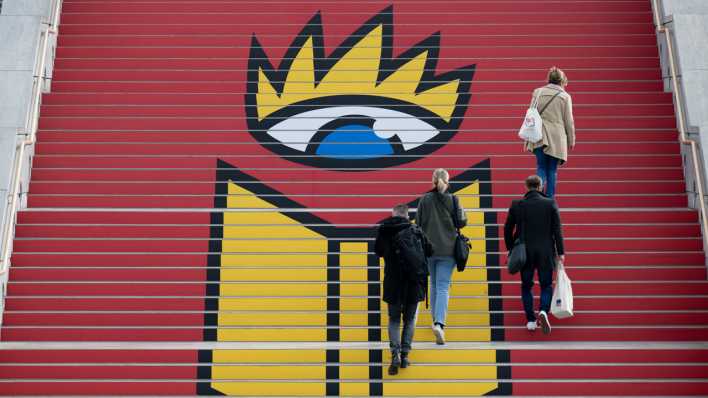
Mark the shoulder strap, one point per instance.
(454, 208)
(522, 222)
(548, 103)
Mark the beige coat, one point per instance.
(558, 125)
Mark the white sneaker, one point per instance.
(545, 324)
(439, 335)
(531, 326)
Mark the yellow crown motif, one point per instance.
(357, 72)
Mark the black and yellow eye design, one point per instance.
(358, 107)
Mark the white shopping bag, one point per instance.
(532, 128)
(562, 302)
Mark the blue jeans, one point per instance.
(547, 169)
(440, 276)
(545, 279)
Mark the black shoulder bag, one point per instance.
(462, 244)
(517, 256)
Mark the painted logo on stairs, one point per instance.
(359, 105)
(283, 268)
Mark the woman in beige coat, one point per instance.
(556, 109)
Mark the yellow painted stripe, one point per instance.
(449, 356)
(409, 389)
(255, 389)
(273, 319)
(274, 289)
(269, 356)
(350, 389)
(265, 304)
(354, 289)
(357, 356)
(256, 334)
(268, 372)
(353, 335)
(274, 260)
(274, 246)
(274, 274)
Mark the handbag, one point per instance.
(517, 256)
(462, 243)
(562, 302)
(532, 128)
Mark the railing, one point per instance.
(679, 103)
(14, 197)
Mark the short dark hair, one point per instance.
(533, 182)
(400, 210)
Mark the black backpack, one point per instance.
(408, 247)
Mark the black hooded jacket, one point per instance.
(397, 289)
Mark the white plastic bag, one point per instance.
(562, 302)
(532, 128)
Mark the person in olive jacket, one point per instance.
(538, 215)
(400, 293)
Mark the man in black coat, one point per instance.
(538, 216)
(400, 293)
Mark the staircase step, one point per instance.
(48, 229)
(498, 136)
(270, 162)
(202, 98)
(481, 7)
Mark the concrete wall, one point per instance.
(20, 27)
(688, 21)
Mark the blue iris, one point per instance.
(354, 141)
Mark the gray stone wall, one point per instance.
(688, 21)
(20, 27)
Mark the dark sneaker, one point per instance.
(395, 364)
(545, 324)
(404, 360)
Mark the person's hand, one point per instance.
(572, 146)
(561, 258)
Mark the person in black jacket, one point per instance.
(538, 215)
(400, 293)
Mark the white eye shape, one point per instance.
(352, 132)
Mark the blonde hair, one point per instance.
(557, 76)
(441, 180)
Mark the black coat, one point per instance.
(543, 231)
(396, 288)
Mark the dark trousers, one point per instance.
(401, 340)
(545, 279)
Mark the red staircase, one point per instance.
(170, 249)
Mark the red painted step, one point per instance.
(239, 86)
(164, 320)
(205, 202)
(638, 164)
(90, 27)
(343, 217)
(38, 245)
(202, 231)
(614, 388)
(275, 19)
(403, 7)
(233, 149)
(499, 136)
(464, 41)
(242, 49)
(182, 303)
(195, 334)
(487, 110)
(101, 356)
(121, 388)
(519, 97)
